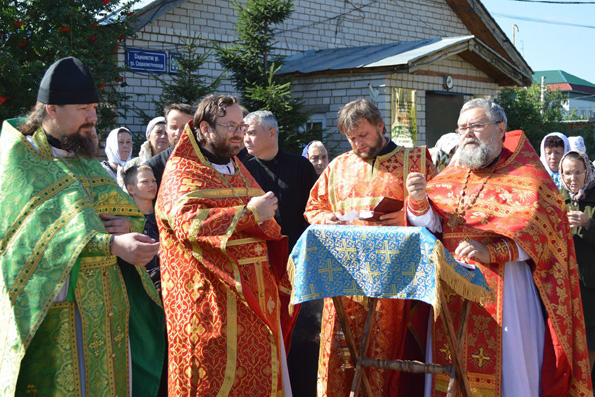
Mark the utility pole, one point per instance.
(543, 89)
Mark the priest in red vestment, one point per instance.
(221, 284)
(356, 181)
(499, 210)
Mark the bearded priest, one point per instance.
(499, 210)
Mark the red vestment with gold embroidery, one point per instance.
(351, 183)
(520, 201)
(220, 291)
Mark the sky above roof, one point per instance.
(551, 34)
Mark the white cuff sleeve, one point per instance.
(429, 220)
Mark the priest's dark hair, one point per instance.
(34, 119)
(351, 114)
(180, 107)
(210, 109)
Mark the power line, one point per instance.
(542, 20)
(324, 20)
(555, 2)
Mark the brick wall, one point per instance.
(313, 25)
(326, 95)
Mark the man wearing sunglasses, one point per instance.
(222, 263)
(498, 209)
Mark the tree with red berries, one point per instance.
(35, 33)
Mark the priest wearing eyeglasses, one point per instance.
(498, 209)
(222, 264)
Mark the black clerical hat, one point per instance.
(67, 82)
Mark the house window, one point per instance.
(317, 121)
(315, 126)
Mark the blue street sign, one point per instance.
(174, 66)
(146, 61)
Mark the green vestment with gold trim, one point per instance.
(51, 237)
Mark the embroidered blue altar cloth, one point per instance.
(376, 261)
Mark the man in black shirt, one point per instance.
(287, 175)
(290, 177)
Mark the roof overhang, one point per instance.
(148, 10)
(481, 24)
(406, 57)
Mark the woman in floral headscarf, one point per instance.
(578, 182)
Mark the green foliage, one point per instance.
(573, 115)
(252, 63)
(38, 32)
(275, 96)
(188, 86)
(524, 111)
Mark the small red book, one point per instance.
(384, 206)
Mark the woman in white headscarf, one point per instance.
(156, 142)
(118, 149)
(553, 147)
(577, 143)
(444, 150)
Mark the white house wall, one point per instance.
(583, 107)
(313, 25)
(327, 94)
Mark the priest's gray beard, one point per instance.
(475, 154)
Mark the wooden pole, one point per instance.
(349, 338)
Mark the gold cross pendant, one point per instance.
(455, 219)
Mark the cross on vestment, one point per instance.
(386, 252)
(480, 357)
(394, 292)
(412, 270)
(330, 269)
(354, 290)
(312, 295)
(372, 273)
(455, 219)
(311, 249)
(345, 249)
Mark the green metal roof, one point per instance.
(559, 77)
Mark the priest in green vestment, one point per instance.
(79, 314)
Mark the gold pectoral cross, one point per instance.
(455, 219)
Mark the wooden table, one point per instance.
(366, 260)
